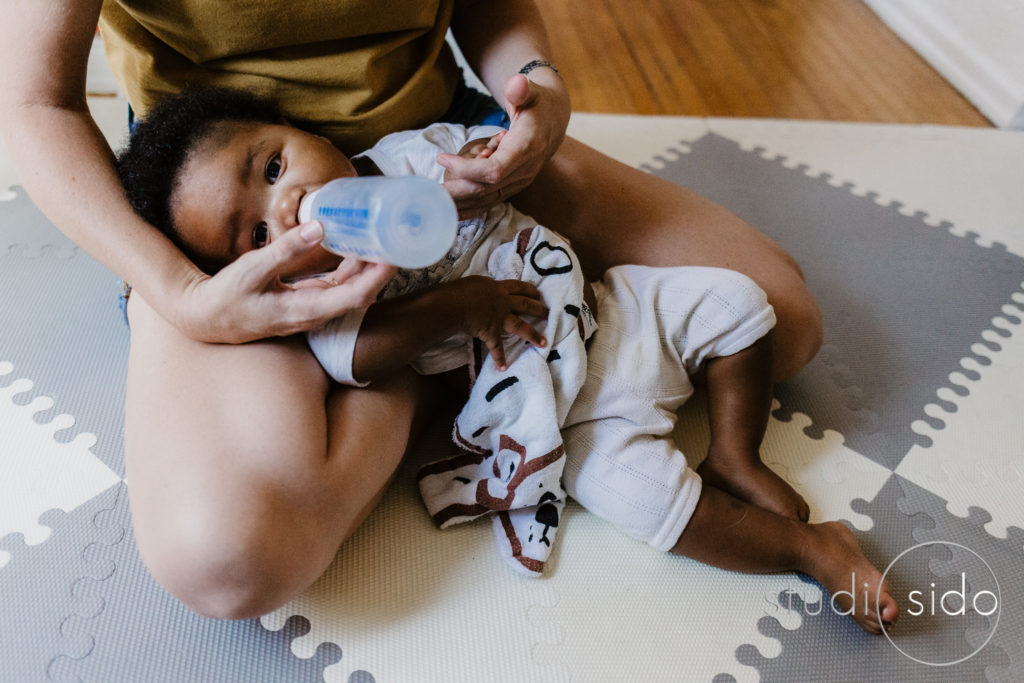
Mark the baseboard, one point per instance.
(962, 59)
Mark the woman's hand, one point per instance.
(539, 109)
(492, 308)
(247, 300)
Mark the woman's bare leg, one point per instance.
(729, 533)
(616, 214)
(246, 470)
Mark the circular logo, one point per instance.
(945, 619)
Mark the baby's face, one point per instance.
(241, 188)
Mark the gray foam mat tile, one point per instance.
(83, 608)
(887, 284)
(1003, 558)
(23, 226)
(41, 588)
(829, 647)
(137, 632)
(61, 326)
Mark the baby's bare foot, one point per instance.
(749, 479)
(834, 558)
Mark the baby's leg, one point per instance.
(657, 326)
(739, 401)
(641, 484)
(729, 533)
(621, 461)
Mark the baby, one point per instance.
(222, 173)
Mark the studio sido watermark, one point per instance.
(985, 596)
(934, 612)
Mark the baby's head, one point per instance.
(221, 172)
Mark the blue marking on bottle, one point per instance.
(352, 218)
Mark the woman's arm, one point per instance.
(62, 157)
(498, 39)
(66, 165)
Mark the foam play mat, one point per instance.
(907, 427)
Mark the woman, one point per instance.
(248, 468)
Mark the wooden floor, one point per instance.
(801, 59)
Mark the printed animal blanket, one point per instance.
(510, 428)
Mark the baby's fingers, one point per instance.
(524, 330)
(526, 305)
(520, 288)
(492, 339)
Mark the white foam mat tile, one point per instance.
(967, 464)
(40, 472)
(823, 470)
(111, 115)
(636, 140)
(628, 613)
(966, 176)
(406, 601)
(969, 177)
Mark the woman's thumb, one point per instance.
(519, 91)
(276, 256)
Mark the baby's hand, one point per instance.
(493, 307)
(478, 149)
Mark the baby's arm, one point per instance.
(395, 332)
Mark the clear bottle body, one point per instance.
(407, 221)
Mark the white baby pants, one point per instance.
(656, 327)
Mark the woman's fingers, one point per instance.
(249, 296)
(260, 267)
(358, 289)
(472, 198)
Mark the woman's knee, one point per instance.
(230, 568)
(799, 331)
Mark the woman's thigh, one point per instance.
(246, 468)
(615, 214)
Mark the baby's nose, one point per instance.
(286, 207)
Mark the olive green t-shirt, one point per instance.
(351, 70)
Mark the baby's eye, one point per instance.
(259, 235)
(273, 170)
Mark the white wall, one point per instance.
(978, 45)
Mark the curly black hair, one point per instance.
(150, 165)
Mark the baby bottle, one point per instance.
(407, 221)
